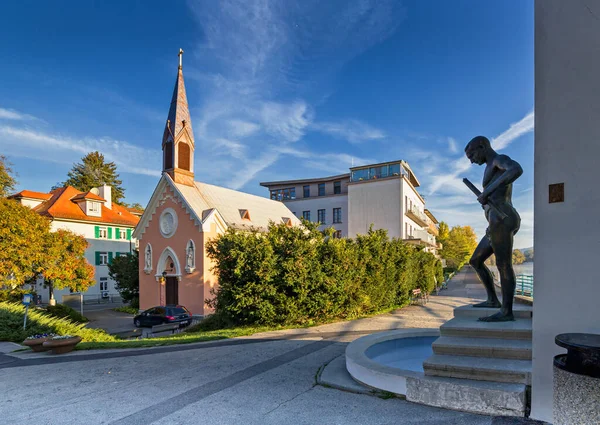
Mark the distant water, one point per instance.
(525, 268)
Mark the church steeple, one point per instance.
(178, 137)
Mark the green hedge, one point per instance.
(14, 295)
(64, 311)
(295, 275)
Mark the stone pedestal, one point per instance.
(576, 399)
(577, 380)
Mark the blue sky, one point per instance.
(277, 90)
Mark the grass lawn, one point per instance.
(11, 329)
(126, 309)
(181, 338)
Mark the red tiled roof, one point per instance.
(88, 195)
(31, 194)
(62, 205)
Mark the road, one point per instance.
(265, 379)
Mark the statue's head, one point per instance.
(477, 149)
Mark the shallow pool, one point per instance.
(402, 353)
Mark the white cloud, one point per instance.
(353, 131)
(32, 143)
(11, 114)
(286, 121)
(452, 145)
(516, 130)
(461, 164)
(261, 61)
(240, 128)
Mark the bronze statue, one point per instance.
(504, 221)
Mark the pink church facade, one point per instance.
(182, 215)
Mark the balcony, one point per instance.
(433, 229)
(417, 216)
(423, 238)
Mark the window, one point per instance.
(283, 194)
(321, 216)
(306, 215)
(405, 203)
(121, 233)
(337, 215)
(102, 233)
(337, 234)
(184, 156)
(104, 284)
(321, 189)
(337, 188)
(405, 230)
(102, 258)
(306, 190)
(94, 207)
(168, 155)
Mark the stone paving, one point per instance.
(266, 379)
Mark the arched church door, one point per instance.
(172, 290)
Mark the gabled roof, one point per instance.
(62, 205)
(88, 196)
(31, 194)
(229, 203)
(204, 202)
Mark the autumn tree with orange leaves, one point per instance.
(29, 249)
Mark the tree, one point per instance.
(125, 271)
(93, 171)
(7, 179)
(64, 264)
(459, 246)
(528, 255)
(29, 249)
(22, 243)
(518, 257)
(443, 231)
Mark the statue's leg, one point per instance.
(483, 251)
(502, 235)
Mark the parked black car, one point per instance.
(161, 315)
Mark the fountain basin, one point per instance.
(386, 359)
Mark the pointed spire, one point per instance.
(179, 113)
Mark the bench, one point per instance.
(418, 296)
(166, 327)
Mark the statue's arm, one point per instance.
(512, 171)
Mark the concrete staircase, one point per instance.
(480, 367)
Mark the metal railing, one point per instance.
(524, 285)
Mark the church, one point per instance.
(182, 215)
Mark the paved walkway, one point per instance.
(266, 379)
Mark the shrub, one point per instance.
(62, 310)
(299, 275)
(14, 295)
(39, 322)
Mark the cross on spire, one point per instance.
(180, 54)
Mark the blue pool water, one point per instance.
(402, 353)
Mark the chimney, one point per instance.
(105, 192)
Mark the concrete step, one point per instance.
(481, 397)
(471, 328)
(518, 349)
(479, 368)
(520, 311)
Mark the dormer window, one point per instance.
(95, 207)
(245, 214)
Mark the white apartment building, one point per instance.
(106, 226)
(383, 195)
